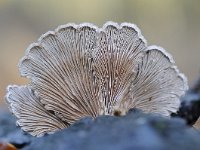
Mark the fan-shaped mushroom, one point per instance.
(82, 70)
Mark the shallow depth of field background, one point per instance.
(172, 24)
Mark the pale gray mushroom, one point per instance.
(82, 70)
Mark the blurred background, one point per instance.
(172, 24)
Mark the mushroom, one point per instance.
(82, 70)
